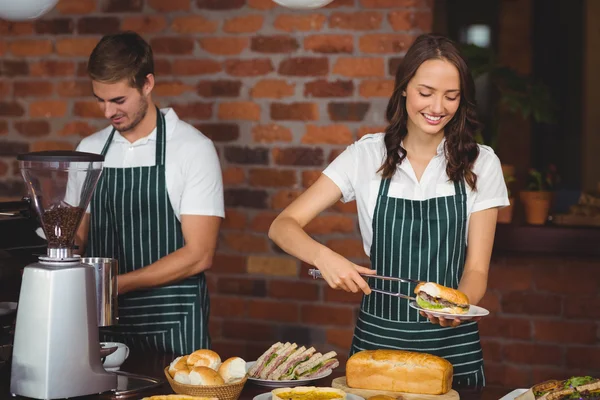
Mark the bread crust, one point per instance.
(308, 391)
(232, 369)
(443, 292)
(205, 376)
(204, 358)
(399, 371)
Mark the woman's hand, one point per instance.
(341, 273)
(446, 322)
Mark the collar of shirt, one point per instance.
(408, 169)
(171, 119)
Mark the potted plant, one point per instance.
(537, 198)
(505, 214)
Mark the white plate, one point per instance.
(514, 394)
(474, 311)
(276, 384)
(7, 308)
(267, 396)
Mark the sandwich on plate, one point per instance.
(287, 361)
(434, 297)
(577, 387)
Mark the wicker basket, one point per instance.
(231, 391)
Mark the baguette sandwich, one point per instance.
(432, 296)
(578, 387)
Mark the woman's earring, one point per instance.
(403, 93)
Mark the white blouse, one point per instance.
(355, 173)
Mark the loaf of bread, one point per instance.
(399, 371)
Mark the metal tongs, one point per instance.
(315, 273)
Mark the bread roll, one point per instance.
(233, 369)
(204, 358)
(399, 371)
(205, 376)
(308, 393)
(178, 364)
(182, 376)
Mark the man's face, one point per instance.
(123, 105)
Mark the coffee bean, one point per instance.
(60, 225)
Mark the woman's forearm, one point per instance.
(474, 285)
(291, 238)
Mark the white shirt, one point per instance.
(355, 173)
(192, 169)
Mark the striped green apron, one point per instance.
(422, 240)
(132, 220)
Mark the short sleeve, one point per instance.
(342, 171)
(491, 187)
(203, 184)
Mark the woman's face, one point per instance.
(432, 96)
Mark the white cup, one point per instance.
(113, 361)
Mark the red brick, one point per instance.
(196, 67)
(56, 26)
(364, 130)
(240, 110)
(504, 327)
(385, 43)
(565, 332)
(423, 20)
(324, 88)
(228, 264)
(262, 221)
(11, 68)
(393, 65)
(274, 44)
(249, 330)
(326, 315)
(261, 4)
(193, 110)
(119, 6)
(310, 177)
(340, 3)
(76, 47)
(584, 357)
(229, 348)
(299, 156)
(228, 307)
(293, 290)
(242, 287)
(356, 21)
(507, 278)
(276, 311)
(247, 155)
(326, 224)
(11, 109)
(172, 45)
(341, 296)
(4, 167)
(171, 5)
(272, 88)
(220, 4)
(233, 176)
(330, 44)
(172, 88)
(245, 242)
(52, 68)
(219, 88)
(30, 47)
(32, 128)
(542, 374)
(401, 20)
(356, 67)
(144, 24)
(531, 303)
(3, 47)
(98, 25)
(194, 24)
(265, 177)
(234, 219)
(582, 307)
(492, 350)
(10, 28)
(340, 337)
(271, 133)
(376, 88)
(32, 88)
(47, 145)
(392, 3)
(248, 68)
(530, 353)
(507, 375)
(304, 66)
(349, 207)
(284, 198)
(73, 88)
(224, 45)
(299, 22)
(552, 278)
(330, 134)
(348, 111)
(47, 109)
(244, 24)
(351, 248)
(6, 88)
(490, 301)
(87, 109)
(294, 111)
(76, 6)
(80, 128)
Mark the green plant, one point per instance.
(508, 179)
(542, 181)
(514, 92)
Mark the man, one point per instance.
(157, 207)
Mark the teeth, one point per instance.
(432, 118)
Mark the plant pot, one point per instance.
(537, 206)
(508, 169)
(505, 214)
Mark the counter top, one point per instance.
(152, 364)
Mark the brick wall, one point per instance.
(281, 93)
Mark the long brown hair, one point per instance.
(460, 146)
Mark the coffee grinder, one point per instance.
(56, 351)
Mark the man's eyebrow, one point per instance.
(447, 91)
(111, 100)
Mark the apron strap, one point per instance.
(161, 138)
(108, 142)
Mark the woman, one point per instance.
(423, 189)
